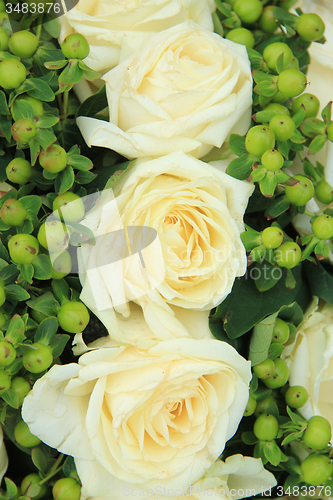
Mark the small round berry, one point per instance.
(54, 236)
(75, 47)
(22, 387)
(280, 332)
(283, 127)
(242, 36)
(7, 353)
(294, 64)
(28, 491)
(267, 21)
(13, 213)
(317, 435)
(23, 248)
(250, 407)
(288, 255)
(316, 469)
(273, 51)
(272, 159)
(70, 205)
(296, 396)
(266, 427)
(24, 437)
(35, 103)
(4, 39)
(53, 159)
(322, 227)
(37, 358)
(248, 10)
(23, 130)
(265, 369)
(264, 404)
(19, 171)
(66, 488)
(279, 108)
(12, 73)
(291, 82)
(324, 192)
(23, 44)
(259, 139)
(272, 237)
(280, 376)
(61, 265)
(5, 381)
(279, 97)
(310, 27)
(309, 101)
(73, 317)
(301, 193)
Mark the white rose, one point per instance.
(149, 418)
(115, 30)
(3, 456)
(185, 89)
(197, 211)
(310, 359)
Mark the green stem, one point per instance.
(60, 104)
(65, 104)
(300, 155)
(39, 28)
(54, 469)
(307, 212)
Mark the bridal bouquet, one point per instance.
(166, 221)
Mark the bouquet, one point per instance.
(166, 221)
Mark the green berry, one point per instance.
(279, 97)
(2, 296)
(266, 427)
(265, 369)
(316, 469)
(73, 317)
(280, 376)
(309, 101)
(75, 47)
(280, 332)
(22, 387)
(296, 396)
(5, 381)
(37, 358)
(7, 353)
(321, 420)
(12, 73)
(322, 227)
(54, 236)
(317, 435)
(301, 193)
(288, 255)
(35, 103)
(29, 488)
(53, 159)
(23, 248)
(4, 39)
(242, 36)
(310, 27)
(13, 212)
(263, 405)
(259, 139)
(273, 51)
(279, 108)
(19, 171)
(291, 82)
(37, 316)
(287, 4)
(23, 44)
(61, 265)
(24, 437)
(283, 127)
(250, 407)
(272, 159)
(329, 132)
(70, 205)
(248, 10)
(272, 237)
(267, 21)
(294, 64)
(23, 130)
(324, 192)
(66, 489)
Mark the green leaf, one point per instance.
(61, 291)
(94, 104)
(16, 329)
(40, 90)
(320, 280)
(42, 266)
(285, 18)
(54, 65)
(58, 344)
(65, 180)
(294, 417)
(249, 438)
(11, 489)
(47, 121)
(9, 274)
(250, 238)
(49, 307)
(257, 61)
(327, 113)
(80, 162)
(69, 468)
(52, 27)
(45, 137)
(11, 398)
(34, 151)
(297, 137)
(293, 436)
(284, 148)
(266, 89)
(279, 205)
(312, 127)
(39, 459)
(322, 250)
(241, 167)
(272, 452)
(223, 8)
(218, 28)
(237, 144)
(299, 116)
(264, 116)
(268, 276)
(16, 292)
(46, 330)
(71, 74)
(88, 73)
(23, 109)
(260, 76)
(275, 350)
(5, 127)
(317, 144)
(83, 177)
(268, 184)
(3, 104)
(32, 204)
(15, 366)
(27, 271)
(261, 339)
(3, 252)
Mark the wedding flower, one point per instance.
(310, 358)
(3, 456)
(197, 211)
(146, 418)
(115, 30)
(185, 89)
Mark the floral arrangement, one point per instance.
(166, 221)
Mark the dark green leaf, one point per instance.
(65, 180)
(237, 144)
(69, 467)
(39, 459)
(34, 151)
(279, 205)
(275, 350)
(249, 438)
(11, 398)
(93, 104)
(31, 203)
(80, 162)
(15, 366)
(42, 266)
(61, 290)
(261, 339)
(58, 344)
(23, 109)
(9, 274)
(49, 307)
(250, 238)
(16, 292)
(45, 137)
(241, 167)
(272, 452)
(46, 330)
(3, 252)
(27, 271)
(3, 104)
(320, 280)
(268, 276)
(40, 90)
(5, 127)
(83, 177)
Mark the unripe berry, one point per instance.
(250, 407)
(75, 47)
(248, 10)
(318, 434)
(280, 376)
(2, 296)
(12, 73)
(22, 387)
(291, 82)
(23, 130)
(4, 39)
(24, 437)
(19, 171)
(301, 193)
(280, 332)
(309, 101)
(273, 51)
(4, 381)
(283, 127)
(242, 36)
(61, 265)
(66, 489)
(13, 212)
(266, 427)
(310, 27)
(272, 237)
(267, 21)
(259, 139)
(73, 317)
(70, 205)
(23, 248)
(23, 44)
(28, 489)
(54, 236)
(296, 396)
(272, 159)
(288, 255)
(53, 159)
(316, 469)
(322, 227)
(37, 358)
(7, 353)
(265, 369)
